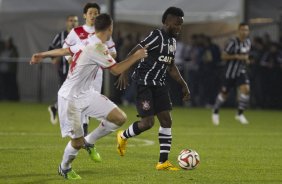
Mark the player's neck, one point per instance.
(102, 36)
(90, 24)
(241, 38)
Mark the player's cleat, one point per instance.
(93, 153)
(53, 114)
(242, 119)
(166, 166)
(121, 143)
(215, 119)
(68, 174)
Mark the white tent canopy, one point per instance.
(141, 11)
(150, 11)
(33, 23)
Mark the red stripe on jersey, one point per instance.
(67, 43)
(73, 63)
(70, 51)
(81, 33)
(111, 46)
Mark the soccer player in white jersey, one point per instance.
(80, 35)
(78, 98)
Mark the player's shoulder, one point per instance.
(78, 28)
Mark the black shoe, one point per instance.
(53, 114)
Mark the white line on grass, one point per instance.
(140, 142)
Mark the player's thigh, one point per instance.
(227, 85)
(144, 101)
(70, 118)
(162, 100)
(99, 106)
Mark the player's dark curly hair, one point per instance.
(102, 22)
(172, 11)
(91, 5)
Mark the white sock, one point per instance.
(105, 128)
(69, 155)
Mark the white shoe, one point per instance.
(242, 119)
(215, 119)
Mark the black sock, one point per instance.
(132, 130)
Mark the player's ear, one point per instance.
(84, 15)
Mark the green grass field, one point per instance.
(31, 149)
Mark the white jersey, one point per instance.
(78, 38)
(80, 35)
(84, 68)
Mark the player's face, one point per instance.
(91, 15)
(244, 31)
(174, 24)
(72, 22)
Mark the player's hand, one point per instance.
(186, 93)
(36, 58)
(122, 81)
(142, 53)
(243, 57)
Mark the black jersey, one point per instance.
(235, 67)
(57, 43)
(151, 71)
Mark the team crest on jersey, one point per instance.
(146, 105)
(81, 35)
(171, 48)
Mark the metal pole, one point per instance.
(107, 75)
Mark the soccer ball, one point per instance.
(188, 159)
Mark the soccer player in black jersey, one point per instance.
(152, 92)
(61, 62)
(236, 55)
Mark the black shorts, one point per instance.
(150, 100)
(229, 83)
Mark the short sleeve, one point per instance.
(152, 40)
(102, 57)
(71, 39)
(230, 47)
(75, 48)
(111, 46)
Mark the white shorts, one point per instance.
(72, 112)
(98, 81)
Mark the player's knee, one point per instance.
(121, 119)
(117, 116)
(147, 123)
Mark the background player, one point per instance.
(80, 35)
(236, 54)
(77, 97)
(152, 92)
(61, 62)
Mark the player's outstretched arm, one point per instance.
(38, 57)
(122, 81)
(175, 74)
(125, 64)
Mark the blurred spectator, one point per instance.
(192, 69)
(8, 71)
(210, 58)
